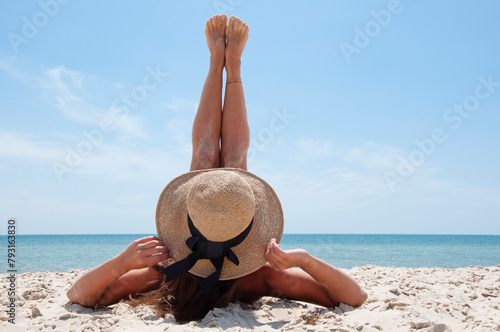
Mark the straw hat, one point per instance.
(221, 204)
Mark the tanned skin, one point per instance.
(221, 137)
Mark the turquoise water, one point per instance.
(63, 252)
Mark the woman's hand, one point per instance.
(318, 282)
(89, 289)
(281, 259)
(144, 252)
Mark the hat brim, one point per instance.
(172, 227)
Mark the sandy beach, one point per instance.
(400, 299)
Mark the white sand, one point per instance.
(400, 299)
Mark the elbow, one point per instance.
(74, 298)
(71, 296)
(360, 299)
(355, 300)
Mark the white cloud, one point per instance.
(109, 161)
(354, 197)
(62, 88)
(356, 180)
(17, 74)
(182, 105)
(314, 148)
(343, 200)
(121, 163)
(68, 90)
(131, 126)
(374, 155)
(14, 145)
(179, 130)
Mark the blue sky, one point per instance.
(373, 117)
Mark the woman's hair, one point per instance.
(184, 298)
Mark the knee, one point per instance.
(206, 159)
(234, 159)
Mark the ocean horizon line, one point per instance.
(60, 252)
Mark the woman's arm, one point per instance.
(319, 282)
(100, 286)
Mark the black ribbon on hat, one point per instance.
(205, 249)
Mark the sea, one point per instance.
(60, 253)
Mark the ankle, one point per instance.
(216, 62)
(233, 68)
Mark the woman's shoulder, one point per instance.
(255, 285)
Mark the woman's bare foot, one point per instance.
(237, 36)
(216, 39)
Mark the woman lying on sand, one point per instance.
(218, 225)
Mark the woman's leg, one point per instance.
(235, 132)
(207, 122)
